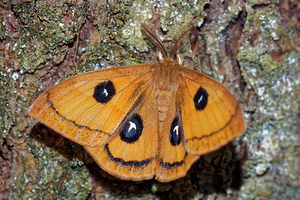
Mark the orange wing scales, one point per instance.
(173, 160)
(217, 124)
(71, 110)
(138, 122)
(61, 124)
(214, 140)
(135, 160)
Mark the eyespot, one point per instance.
(200, 99)
(175, 133)
(104, 92)
(132, 129)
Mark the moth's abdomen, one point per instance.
(163, 99)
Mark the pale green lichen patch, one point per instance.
(260, 50)
(7, 118)
(129, 32)
(269, 60)
(103, 55)
(13, 103)
(45, 27)
(176, 16)
(3, 29)
(128, 26)
(101, 52)
(261, 2)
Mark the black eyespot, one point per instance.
(132, 129)
(175, 133)
(104, 92)
(200, 99)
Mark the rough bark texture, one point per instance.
(250, 46)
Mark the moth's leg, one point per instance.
(179, 58)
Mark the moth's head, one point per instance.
(179, 42)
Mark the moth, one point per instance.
(143, 121)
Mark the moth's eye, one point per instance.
(104, 92)
(175, 133)
(200, 99)
(132, 129)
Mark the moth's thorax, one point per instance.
(164, 83)
(165, 76)
(145, 121)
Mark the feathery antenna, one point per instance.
(155, 39)
(182, 38)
